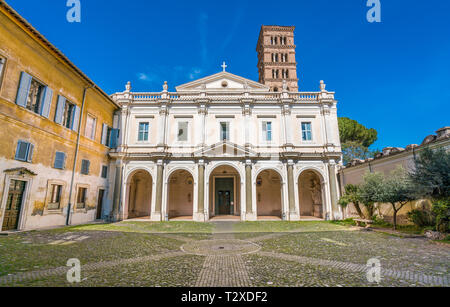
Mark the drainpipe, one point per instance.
(69, 208)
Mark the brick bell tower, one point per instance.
(276, 58)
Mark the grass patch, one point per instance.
(283, 226)
(152, 227)
(47, 249)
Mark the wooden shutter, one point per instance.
(264, 131)
(47, 102)
(60, 160)
(113, 140)
(104, 134)
(76, 118)
(60, 110)
(30, 152)
(24, 88)
(21, 151)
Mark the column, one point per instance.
(250, 215)
(117, 191)
(200, 216)
(202, 112)
(246, 112)
(156, 215)
(293, 215)
(162, 126)
(333, 190)
(287, 125)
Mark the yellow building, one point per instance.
(56, 130)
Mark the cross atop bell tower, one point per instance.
(276, 58)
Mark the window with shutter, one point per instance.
(68, 115)
(2, 69)
(85, 164)
(60, 160)
(35, 97)
(21, 151)
(24, 151)
(104, 171)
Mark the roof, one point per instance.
(223, 81)
(40, 38)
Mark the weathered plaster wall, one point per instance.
(24, 52)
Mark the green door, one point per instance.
(224, 196)
(13, 205)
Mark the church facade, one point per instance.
(225, 147)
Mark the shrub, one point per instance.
(422, 218)
(441, 210)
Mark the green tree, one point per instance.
(397, 190)
(372, 190)
(432, 174)
(352, 195)
(356, 139)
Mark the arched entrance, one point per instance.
(181, 195)
(224, 192)
(311, 196)
(139, 195)
(269, 194)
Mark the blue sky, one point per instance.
(392, 76)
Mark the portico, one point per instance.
(225, 147)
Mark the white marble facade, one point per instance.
(226, 146)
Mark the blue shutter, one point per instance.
(21, 151)
(60, 110)
(48, 95)
(76, 118)
(24, 88)
(114, 138)
(60, 160)
(30, 152)
(104, 134)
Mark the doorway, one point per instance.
(13, 205)
(101, 195)
(224, 196)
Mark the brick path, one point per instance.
(223, 271)
(347, 266)
(35, 275)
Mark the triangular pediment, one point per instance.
(225, 149)
(223, 81)
(20, 171)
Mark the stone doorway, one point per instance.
(311, 195)
(269, 195)
(139, 195)
(181, 195)
(14, 204)
(224, 192)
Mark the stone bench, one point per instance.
(367, 222)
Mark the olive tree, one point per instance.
(397, 190)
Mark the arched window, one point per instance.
(275, 89)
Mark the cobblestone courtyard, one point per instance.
(223, 254)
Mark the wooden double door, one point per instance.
(224, 196)
(14, 205)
